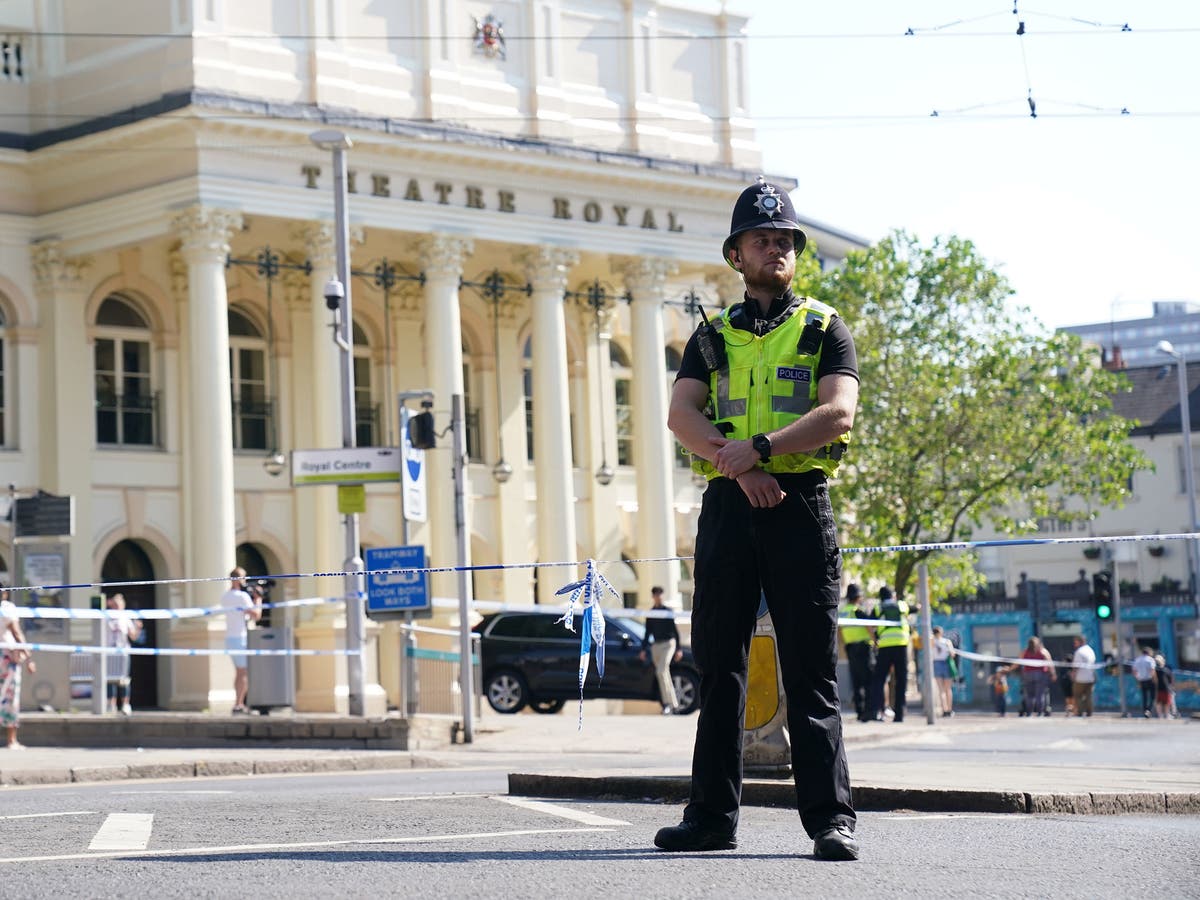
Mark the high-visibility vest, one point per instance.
(770, 381)
(892, 635)
(854, 634)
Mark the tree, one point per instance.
(968, 411)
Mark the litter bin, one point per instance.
(272, 678)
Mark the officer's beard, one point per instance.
(768, 281)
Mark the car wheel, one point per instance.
(687, 691)
(506, 691)
(547, 707)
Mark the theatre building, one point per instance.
(167, 230)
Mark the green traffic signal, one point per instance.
(1103, 611)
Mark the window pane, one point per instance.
(135, 357)
(105, 355)
(119, 313)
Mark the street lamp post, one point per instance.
(337, 295)
(1185, 421)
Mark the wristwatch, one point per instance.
(762, 444)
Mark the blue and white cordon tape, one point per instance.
(590, 589)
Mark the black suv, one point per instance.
(531, 659)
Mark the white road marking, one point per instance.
(942, 816)
(124, 831)
(426, 797)
(244, 848)
(48, 815)
(554, 809)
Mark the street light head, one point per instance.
(274, 464)
(328, 139)
(604, 475)
(502, 471)
(335, 293)
(1166, 347)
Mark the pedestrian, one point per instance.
(891, 654)
(122, 632)
(860, 652)
(999, 684)
(1165, 687)
(662, 640)
(764, 400)
(1064, 676)
(1083, 676)
(12, 659)
(943, 660)
(1144, 671)
(240, 609)
(1035, 679)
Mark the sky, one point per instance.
(1090, 214)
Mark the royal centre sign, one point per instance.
(349, 465)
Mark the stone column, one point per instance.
(67, 422)
(603, 537)
(316, 374)
(504, 385)
(547, 270)
(645, 279)
(208, 457)
(442, 258)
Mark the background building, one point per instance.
(166, 231)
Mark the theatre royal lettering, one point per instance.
(445, 193)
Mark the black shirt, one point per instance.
(661, 629)
(838, 356)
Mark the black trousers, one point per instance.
(894, 659)
(790, 555)
(862, 670)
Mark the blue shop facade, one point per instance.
(1165, 622)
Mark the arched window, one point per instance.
(366, 412)
(253, 419)
(125, 402)
(622, 374)
(673, 360)
(474, 445)
(3, 381)
(527, 382)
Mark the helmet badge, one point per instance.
(767, 201)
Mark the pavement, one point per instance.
(610, 754)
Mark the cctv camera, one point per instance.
(334, 293)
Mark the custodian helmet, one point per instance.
(763, 205)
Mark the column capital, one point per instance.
(645, 276)
(205, 233)
(320, 243)
(443, 255)
(548, 268)
(728, 284)
(53, 270)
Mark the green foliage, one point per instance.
(968, 412)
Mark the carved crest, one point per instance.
(489, 37)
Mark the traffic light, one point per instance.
(1102, 596)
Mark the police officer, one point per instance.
(891, 653)
(860, 653)
(764, 401)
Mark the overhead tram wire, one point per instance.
(1095, 28)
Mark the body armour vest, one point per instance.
(892, 635)
(768, 382)
(854, 634)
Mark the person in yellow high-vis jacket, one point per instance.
(764, 401)
(860, 652)
(891, 654)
